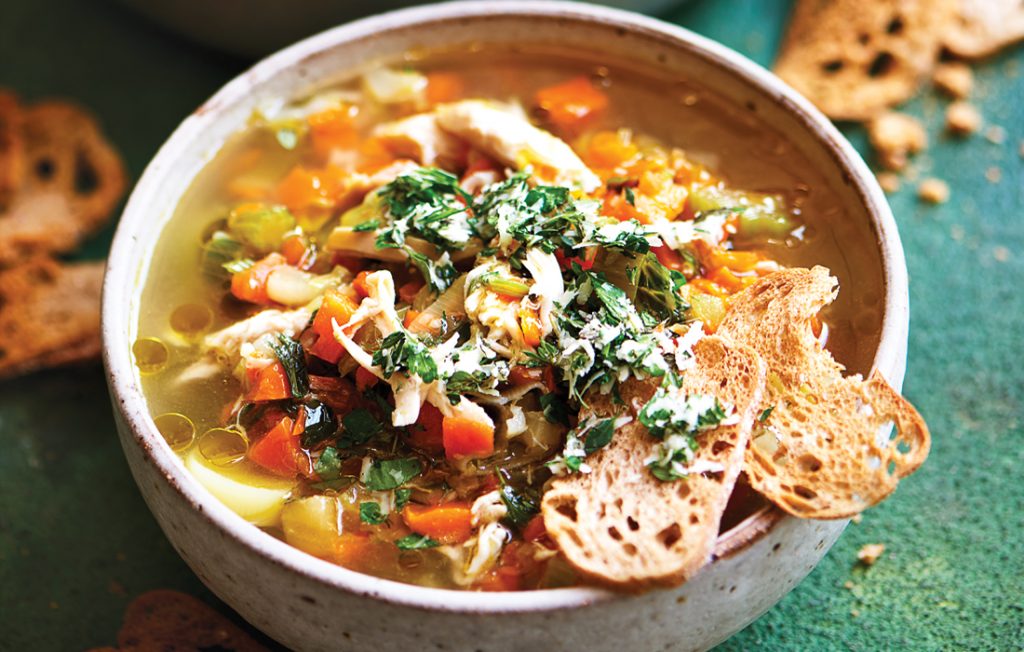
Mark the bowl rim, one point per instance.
(116, 304)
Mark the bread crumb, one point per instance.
(855, 613)
(995, 135)
(895, 136)
(994, 174)
(1021, 150)
(870, 553)
(954, 78)
(957, 232)
(962, 118)
(933, 191)
(857, 518)
(889, 181)
(849, 585)
(1002, 254)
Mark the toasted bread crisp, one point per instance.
(854, 59)
(170, 621)
(619, 525)
(12, 148)
(983, 27)
(49, 315)
(71, 180)
(823, 450)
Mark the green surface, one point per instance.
(76, 541)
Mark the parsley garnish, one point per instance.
(401, 351)
(555, 409)
(358, 427)
(416, 542)
(292, 358)
(319, 424)
(521, 506)
(371, 514)
(384, 475)
(402, 497)
(766, 413)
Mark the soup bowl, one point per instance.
(310, 604)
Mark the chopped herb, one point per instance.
(292, 358)
(766, 413)
(287, 138)
(402, 497)
(676, 421)
(598, 436)
(358, 427)
(369, 225)
(384, 475)
(630, 197)
(555, 409)
(401, 351)
(655, 290)
(239, 266)
(319, 424)
(328, 465)
(371, 514)
(520, 505)
(416, 542)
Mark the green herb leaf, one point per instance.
(556, 410)
(598, 436)
(401, 351)
(369, 225)
(521, 506)
(766, 413)
(416, 542)
(630, 197)
(292, 358)
(358, 427)
(402, 497)
(319, 424)
(371, 514)
(328, 465)
(385, 475)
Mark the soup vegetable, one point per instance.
(404, 294)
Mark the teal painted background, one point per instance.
(77, 543)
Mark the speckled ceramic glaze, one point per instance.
(309, 604)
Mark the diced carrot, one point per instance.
(333, 129)
(724, 277)
(267, 383)
(669, 257)
(364, 379)
(294, 249)
(408, 291)
(251, 284)
(304, 190)
(410, 317)
(279, 451)
(335, 307)
(529, 323)
(535, 530)
(707, 286)
(571, 104)
(374, 155)
(360, 285)
(737, 261)
(444, 87)
(467, 438)
(352, 549)
(427, 434)
(610, 149)
(616, 205)
(566, 262)
(448, 523)
(520, 375)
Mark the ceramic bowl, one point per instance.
(309, 604)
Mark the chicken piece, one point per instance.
(503, 134)
(420, 138)
(227, 343)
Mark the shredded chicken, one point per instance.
(227, 343)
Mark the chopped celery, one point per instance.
(761, 224)
(507, 286)
(220, 250)
(260, 226)
(365, 213)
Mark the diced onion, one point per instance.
(292, 287)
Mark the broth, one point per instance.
(743, 152)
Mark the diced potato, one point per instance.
(313, 524)
(257, 499)
(292, 287)
(389, 86)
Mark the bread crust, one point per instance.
(824, 451)
(854, 59)
(621, 527)
(983, 27)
